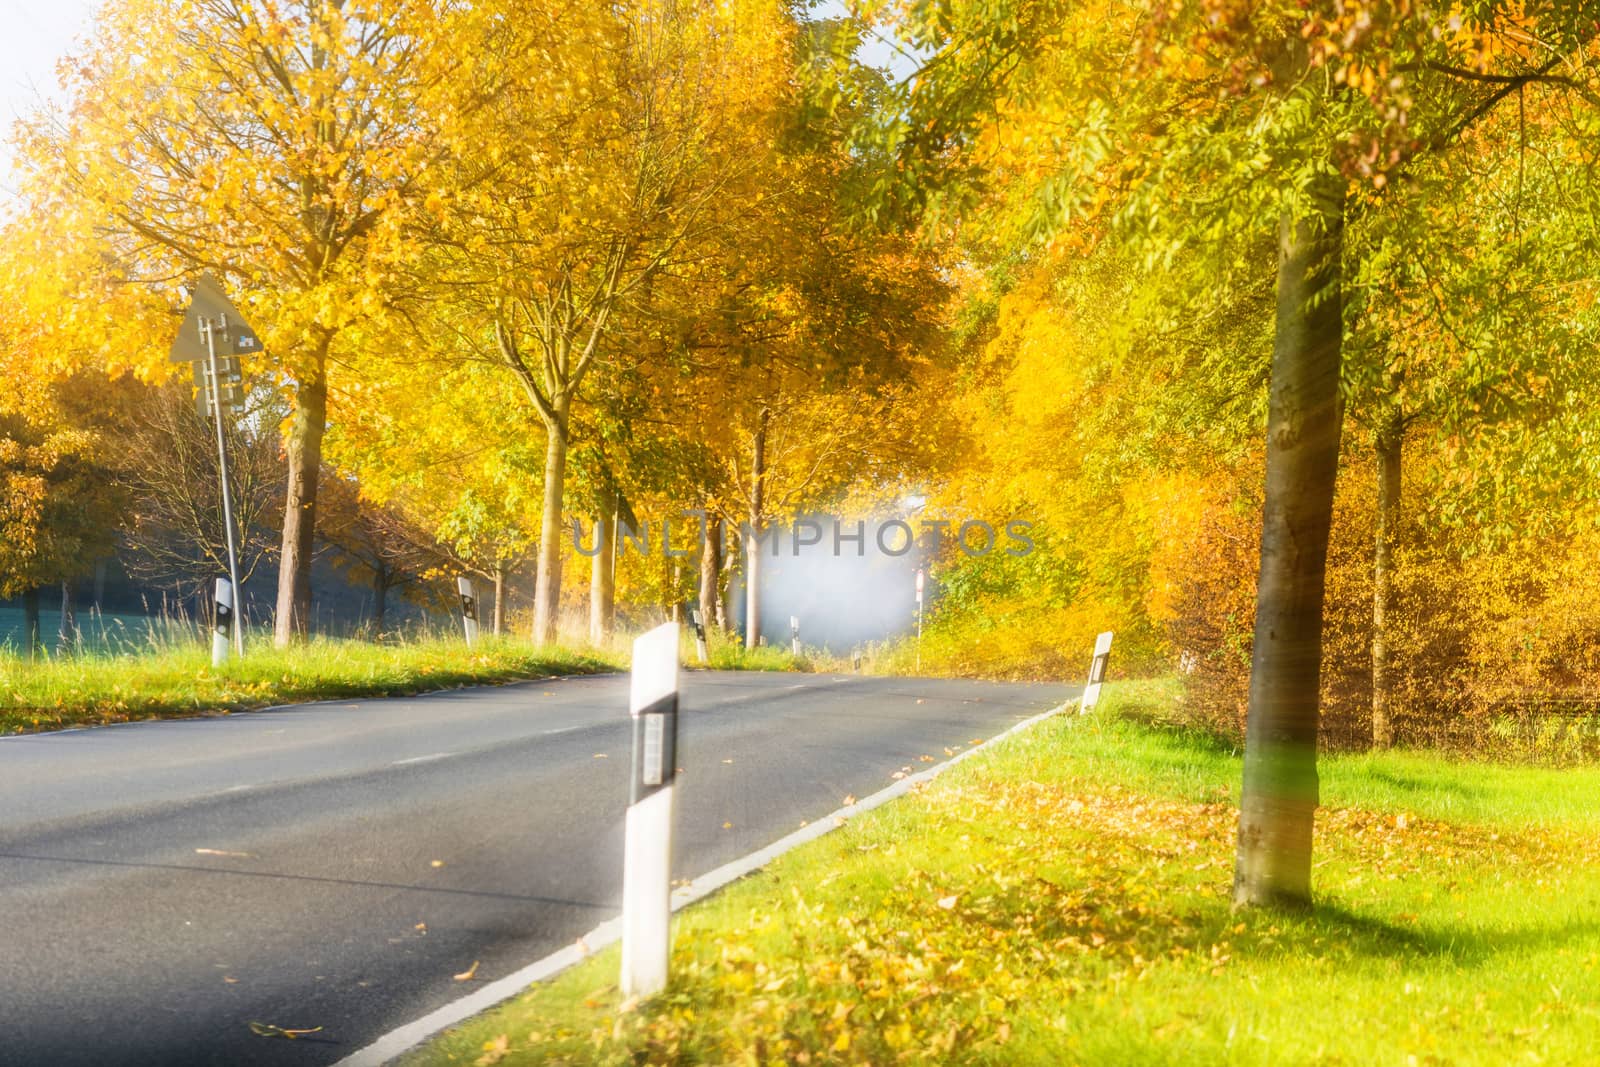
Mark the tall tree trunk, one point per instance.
(67, 632)
(725, 602)
(1280, 793)
(752, 547)
(380, 601)
(499, 599)
(1390, 440)
(710, 571)
(547, 585)
(304, 447)
(30, 622)
(602, 570)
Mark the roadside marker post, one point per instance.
(699, 624)
(222, 625)
(919, 618)
(469, 610)
(794, 634)
(1097, 672)
(647, 852)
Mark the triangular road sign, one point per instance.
(234, 336)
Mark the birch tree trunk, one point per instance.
(380, 600)
(304, 447)
(547, 585)
(1280, 791)
(499, 599)
(1391, 438)
(710, 571)
(602, 571)
(30, 623)
(67, 632)
(752, 546)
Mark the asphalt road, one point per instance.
(163, 885)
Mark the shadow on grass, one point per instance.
(1377, 938)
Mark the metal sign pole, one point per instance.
(647, 849)
(208, 328)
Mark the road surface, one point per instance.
(163, 885)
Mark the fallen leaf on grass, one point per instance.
(949, 902)
(494, 1051)
(268, 1030)
(469, 974)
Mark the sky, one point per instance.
(33, 36)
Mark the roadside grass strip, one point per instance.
(97, 688)
(1062, 898)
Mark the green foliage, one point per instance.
(1059, 901)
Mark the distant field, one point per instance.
(109, 633)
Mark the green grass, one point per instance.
(1063, 899)
(174, 677)
(98, 631)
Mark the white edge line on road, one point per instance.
(403, 1039)
(421, 759)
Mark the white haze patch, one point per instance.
(842, 601)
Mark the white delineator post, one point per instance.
(700, 648)
(469, 610)
(794, 634)
(647, 862)
(222, 627)
(919, 618)
(1097, 672)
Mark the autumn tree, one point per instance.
(1228, 119)
(621, 139)
(269, 144)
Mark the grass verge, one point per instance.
(103, 687)
(1062, 899)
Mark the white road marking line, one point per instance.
(398, 1041)
(421, 759)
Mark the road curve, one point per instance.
(164, 885)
